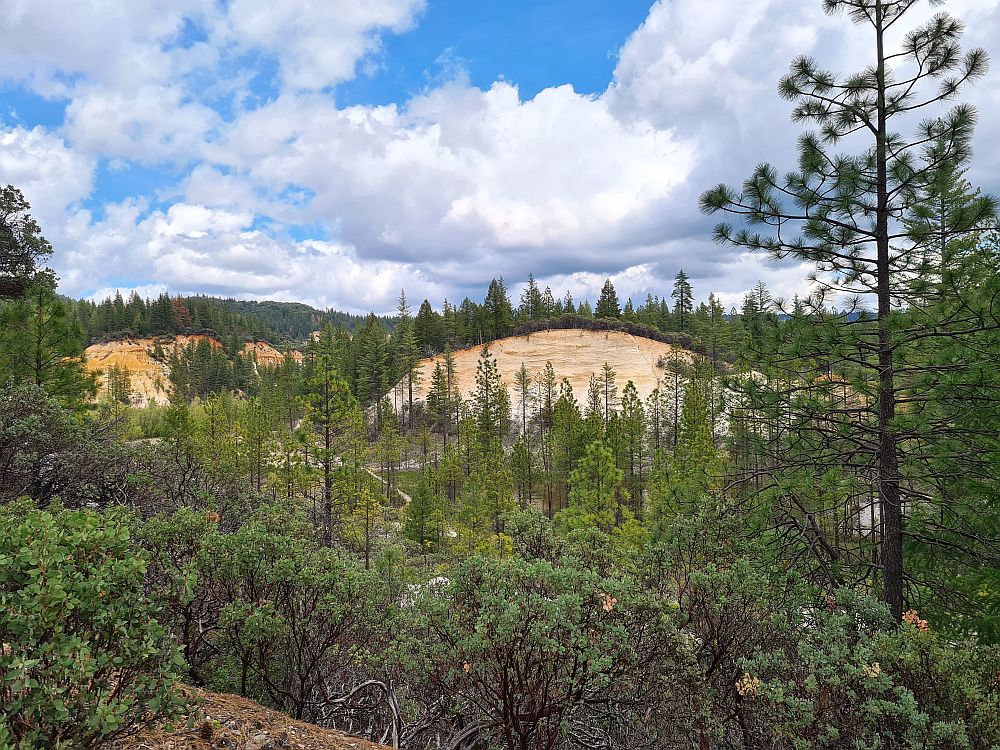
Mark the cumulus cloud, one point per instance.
(191, 248)
(52, 44)
(52, 176)
(437, 193)
(461, 170)
(152, 124)
(317, 43)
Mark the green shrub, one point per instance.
(520, 650)
(842, 675)
(82, 659)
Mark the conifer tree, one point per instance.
(181, 316)
(547, 393)
(118, 385)
(498, 315)
(595, 404)
(439, 402)
(607, 304)
(389, 447)
(567, 304)
(522, 386)
(404, 345)
(328, 399)
(22, 246)
(633, 428)
(683, 297)
(532, 304)
(368, 507)
(686, 476)
(628, 313)
(372, 361)
(609, 391)
(549, 305)
(449, 326)
(494, 484)
(715, 331)
(566, 438)
(428, 329)
(255, 429)
(424, 514)
(451, 474)
(453, 394)
(843, 213)
(490, 402)
(41, 344)
(657, 415)
(597, 497)
(521, 470)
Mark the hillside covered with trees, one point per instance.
(791, 542)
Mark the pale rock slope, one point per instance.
(575, 354)
(266, 355)
(150, 377)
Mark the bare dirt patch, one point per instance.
(228, 721)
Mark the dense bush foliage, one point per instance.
(46, 452)
(82, 658)
(263, 610)
(523, 648)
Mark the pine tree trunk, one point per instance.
(890, 501)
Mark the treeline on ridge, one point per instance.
(277, 323)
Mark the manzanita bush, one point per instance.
(83, 659)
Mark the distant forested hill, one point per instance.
(274, 322)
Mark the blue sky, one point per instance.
(535, 44)
(331, 152)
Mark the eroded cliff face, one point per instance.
(575, 354)
(266, 355)
(148, 361)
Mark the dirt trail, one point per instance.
(402, 495)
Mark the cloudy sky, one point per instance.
(334, 151)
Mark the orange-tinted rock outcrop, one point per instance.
(148, 361)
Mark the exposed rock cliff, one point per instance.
(575, 354)
(148, 361)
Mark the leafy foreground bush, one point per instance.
(82, 660)
(697, 642)
(530, 654)
(264, 611)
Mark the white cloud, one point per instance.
(51, 175)
(439, 193)
(51, 43)
(460, 170)
(151, 124)
(191, 248)
(317, 42)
